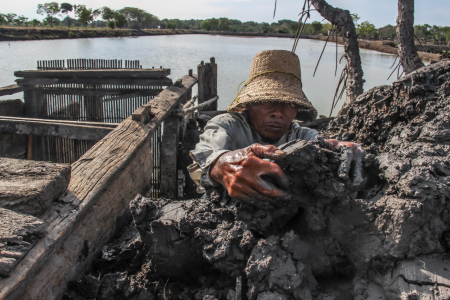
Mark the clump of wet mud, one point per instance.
(386, 238)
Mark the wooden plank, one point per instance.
(33, 99)
(15, 231)
(108, 125)
(30, 187)
(103, 182)
(78, 131)
(207, 83)
(170, 138)
(11, 89)
(116, 81)
(100, 91)
(142, 114)
(104, 73)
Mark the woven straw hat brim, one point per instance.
(275, 75)
(279, 87)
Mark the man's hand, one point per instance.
(354, 155)
(244, 173)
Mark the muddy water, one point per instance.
(183, 52)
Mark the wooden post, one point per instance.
(207, 83)
(32, 99)
(93, 106)
(169, 154)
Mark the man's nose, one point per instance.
(276, 114)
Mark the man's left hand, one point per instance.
(355, 154)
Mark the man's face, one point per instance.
(271, 120)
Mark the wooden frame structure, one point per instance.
(88, 95)
(103, 182)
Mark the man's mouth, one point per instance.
(274, 126)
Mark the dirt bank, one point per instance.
(24, 33)
(386, 238)
(382, 46)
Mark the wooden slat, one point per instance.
(116, 81)
(104, 73)
(67, 122)
(103, 182)
(100, 92)
(11, 89)
(78, 131)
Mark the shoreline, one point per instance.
(8, 34)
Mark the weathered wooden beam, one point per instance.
(207, 83)
(142, 114)
(170, 138)
(100, 124)
(105, 73)
(101, 92)
(87, 80)
(103, 182)
(11, 89)
(79, 131)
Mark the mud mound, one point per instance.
(387, 238)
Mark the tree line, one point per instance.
(76, 15)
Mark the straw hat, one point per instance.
(275, 76)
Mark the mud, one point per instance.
(387, 238)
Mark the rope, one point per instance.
(185, 111)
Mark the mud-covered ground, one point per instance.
(386, 238)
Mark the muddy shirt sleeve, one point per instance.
(216, 140)
(304, 133)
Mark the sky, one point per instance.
(377, 12)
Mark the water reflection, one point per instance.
(183, 52)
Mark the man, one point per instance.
(236, 148)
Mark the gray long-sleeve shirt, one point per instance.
(228, 132)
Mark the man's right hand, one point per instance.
(243, 173)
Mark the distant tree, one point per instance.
(68, 21)
(171, 25)
(120, 20)
(205, 25)
(366, 30)
(51, 9)
(111, 24)
(10, 18)
(224, 24)
(83, 14)
(66, 8)
(293, 27)
(326, 28)
(387, 32)
(20, 21)
(107, 13)
(95, 14)
(54, 20)
(35, 22)
(423, 32)
(137, 18)
(214, 24)
(316, 27)
(2, 19)
(152, 21)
